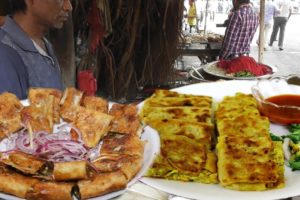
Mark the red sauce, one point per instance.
(285, 100)
(283, 115)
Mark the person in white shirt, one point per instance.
(280, 20)
(271, 10)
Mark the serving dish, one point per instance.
(213, 70)
(151, 148)
(218, 90)
(278, 99)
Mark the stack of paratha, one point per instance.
(184, 123)
(247, 157)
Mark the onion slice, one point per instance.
(56, 147)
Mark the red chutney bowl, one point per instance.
(278, 98)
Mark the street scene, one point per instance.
(287, 61)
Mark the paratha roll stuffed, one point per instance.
(130, 165)
(14, 183)
(102, 184)
(74, 170)
(23, 162)
(51, 191)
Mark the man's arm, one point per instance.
(230, 36)
(290, 12)
(13, 74)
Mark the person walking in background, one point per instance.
(280, 21)
(27, 58)
(270, 10)
(211, 10)
(192, 15)
(242, 25)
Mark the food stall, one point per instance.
(206, 46)
(174, 145)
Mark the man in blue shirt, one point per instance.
(26, 57)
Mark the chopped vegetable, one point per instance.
(294, 128)
(294, 137)
(293, 146)
(275, 137)
(243, 74)
(294, 162)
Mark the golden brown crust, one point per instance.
(129, 165)
(127, 144)
(186, 132)
(39, 96)
(247, 157)
(248, 125)
(93, 125)
(183, 153)
(125, 119)
(23, 162)
(168, 93)
(38, 118)
(70, 100)
(95, 103)
(230, 107)
(193, 101)
(189, 114)
(102, 184)
(10, 118)
(200, 132)
(15, 184)
(75, 170)
(51, 191)
(121, 152)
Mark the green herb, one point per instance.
(294, 162)
(295, 133)
(294, 137)
(294, 128)
(294, 165)
(243, 74)
(275, 137)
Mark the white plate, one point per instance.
(214, 191)
(208, 68)
(152, 147)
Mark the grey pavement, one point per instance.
(288, 60)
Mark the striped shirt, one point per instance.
(240, 31)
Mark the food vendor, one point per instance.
(4, 9)
(241, 28)
(27, 58)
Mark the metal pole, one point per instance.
(261, 31)
(205, 20)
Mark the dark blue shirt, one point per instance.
(21, 64)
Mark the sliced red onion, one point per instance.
(94, 153)
(23, 144)
(56, 147)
